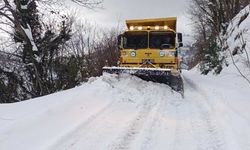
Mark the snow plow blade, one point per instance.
(166, 76)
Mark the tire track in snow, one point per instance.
(147, 141)
(206, 130)
(83, 131)
(231, 118)
(134, 128)
(207, 133)
(181, 125)
(154, 124)
(155, 130)
(166, 124)
(241, 121)
(143, 123)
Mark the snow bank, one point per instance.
(237, 42)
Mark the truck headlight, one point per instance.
(124, 54)
(162, 53)
(140, 28)
(133, 54)
(171, 53)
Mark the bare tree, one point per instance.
(38, 45)
(89, 3)
(211, 18)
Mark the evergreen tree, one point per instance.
(212, 60)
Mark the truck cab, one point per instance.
(151, 43)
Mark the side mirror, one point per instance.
(180, 44)
(179, 36)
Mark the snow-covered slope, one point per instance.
(237, 43)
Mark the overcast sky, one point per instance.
(115, 11)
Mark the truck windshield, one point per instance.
(135, 40)
(161, 40)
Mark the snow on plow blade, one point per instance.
(158, 75)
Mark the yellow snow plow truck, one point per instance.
(149, 49)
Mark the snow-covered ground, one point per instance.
(123, 112)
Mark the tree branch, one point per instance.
(238, 69)
(91, 4)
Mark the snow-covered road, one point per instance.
(127, 113)
(162, 120)
(131, 121)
